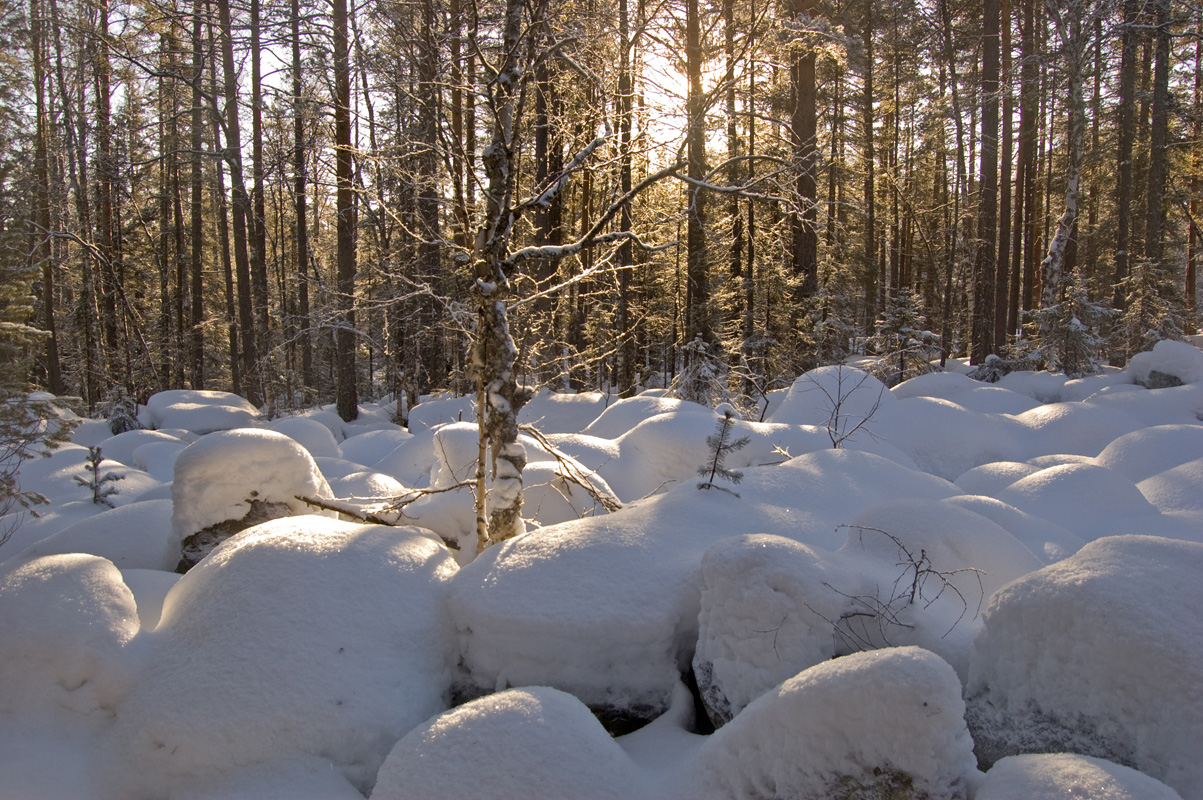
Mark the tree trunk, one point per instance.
(301, 224)
(803, 128)
(346, 372)
(1159, 135)
(982, 339)
(42, 254)
(697, 291)
(1070, 29)
(242, 211)
(870, 164)
(196, 316)
(1127, 135)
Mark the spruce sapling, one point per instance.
(99, 484)
(721, 444)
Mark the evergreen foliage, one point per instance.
(1153, 311)
(28, 429)
(902, 340)
(1068, 334)
(101, 485)
(722, 445)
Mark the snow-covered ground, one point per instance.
(943, 590)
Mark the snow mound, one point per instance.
(65, 621)
(945, 385)
(1047, 541)
(884, 724)
(150, 588)
(1073, 428)
(535, 743)
(217, 478)
(838, 399)
(1174, 359)
(1099, 654)
(932, 565)
(945, 438)
(368, 448)
(555, 412)
(1043, 387)
(996, 400)
(990, 479)
(136, 536)
(625, 414)
(1089, 500)
(1146, 452)
(1176, 489)
(1061, 775)
(197, 410)
(767, 614)
(432, 412)
(309, 433)
(157, 459)
(302, 779)
(299, 636)
(122, 446)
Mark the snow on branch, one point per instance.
(594, 236)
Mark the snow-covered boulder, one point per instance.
(870, 726)
(301, 636)
(523, 743)
(1074, 428)
(1090, 500)
(136, 536)
(1099, 654)
(989, 479)
(841, 400)
(65, 623)
(1167, 364)
(1148, 451)
(1060, 775)
(1047, 541)
(122, 446)
(945, 438)
(309, 433)
(768, 612)
(556, 412)
(231, 480)
(925, 569)
(197, 410)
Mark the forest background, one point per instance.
(302, 202)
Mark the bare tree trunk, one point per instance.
(257, 222)
(299, 193)
(242, 212)
(196, 317)
(1070, 30)
(803, 128)
(1159, 135)
(1127, 134)
(870, 165)
(499, 398)
(1003, 263)
(42, 253)
(345, 367)
(697, 271)
(982, 339)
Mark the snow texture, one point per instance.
(1098, 654)
(863, 726)
(217, 477)
(1061, 775)
(197, 410)
(299, 636)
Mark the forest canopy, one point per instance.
(300, 202)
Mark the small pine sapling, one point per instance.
(721, 445)
(101, 485)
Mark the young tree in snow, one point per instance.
(1150, 313)
(1070, 338)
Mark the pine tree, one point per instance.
(101, 485)
(1069, 340)
(902, 339)
(722, 445)
(1152, 313)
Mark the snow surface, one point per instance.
(305, 653)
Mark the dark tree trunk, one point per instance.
(982, 339)
(346, 372)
